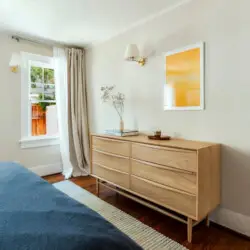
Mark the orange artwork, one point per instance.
(184, 79)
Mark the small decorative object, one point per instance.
(153, 137)
(184, 71)
(157, 133)
(116, 100)
(125, 132)
(158, 136)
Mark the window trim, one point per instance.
(39, 141)
(27, 140)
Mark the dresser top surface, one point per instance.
(174, 143)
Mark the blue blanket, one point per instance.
(35, 216)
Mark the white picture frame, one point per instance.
(167, 95)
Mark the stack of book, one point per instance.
(125, 132)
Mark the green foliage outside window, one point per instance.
(43, 76)
(38, 74)
(49, 76)
(44, 105)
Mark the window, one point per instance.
(39, 113)
(42, 99)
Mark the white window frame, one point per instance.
(27, 140)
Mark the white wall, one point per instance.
(224, 26)
(10, 110)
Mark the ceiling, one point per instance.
(78, 22)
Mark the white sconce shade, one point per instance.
(15, 61)
(132, 52)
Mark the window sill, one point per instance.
(39, 141)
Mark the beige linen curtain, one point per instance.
(78, 116)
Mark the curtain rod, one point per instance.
(18, 39)
(41, 42)
(44, 43)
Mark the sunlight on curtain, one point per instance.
(61, 83)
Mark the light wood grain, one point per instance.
(111, 146)
(97, 187)
(173, 143)
(215, 177)
(189, 229)
(207, 221)
(145, 203)
(90, 153)
(130, 164)
(164, 196)
(203, 183)
(180, 175)
(208, 179)
(172, 177)
(180, 159)
(113, 176)
(112, 161)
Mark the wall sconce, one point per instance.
(132, 54)
(15, 62)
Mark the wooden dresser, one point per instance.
(179, 175)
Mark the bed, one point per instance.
(34, 215)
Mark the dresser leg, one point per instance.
(97, 187)
(189, 229)
(116, 196)
(207, 221)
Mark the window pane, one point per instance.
(49, 92)
(36, 91)
(36, 74)
(38, 116)
(51, 120)
(44, 119)
(49, 76)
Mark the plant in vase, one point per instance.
(116, 100)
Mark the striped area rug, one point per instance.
(144, 235)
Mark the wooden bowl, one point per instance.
(161, 138)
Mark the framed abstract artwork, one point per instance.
(184, 78)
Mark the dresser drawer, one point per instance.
(111, 161)
(172, 177)
(180, 202)
(176, 158)
(111, 146)
(115, 177)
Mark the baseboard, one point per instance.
(49, 169)
(230, 219)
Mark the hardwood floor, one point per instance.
(215, 237)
